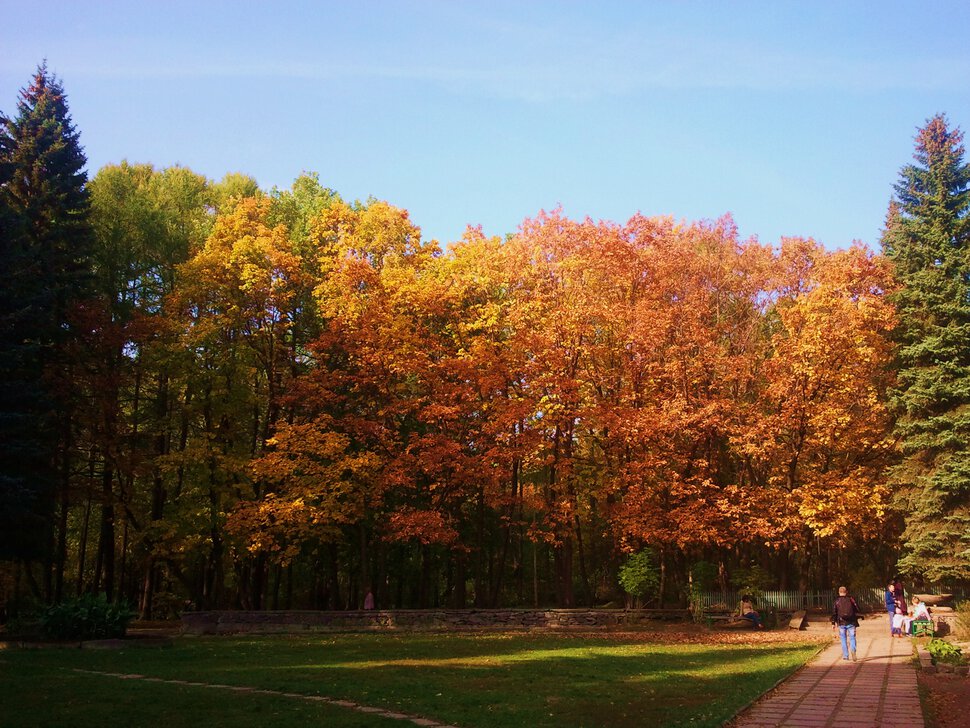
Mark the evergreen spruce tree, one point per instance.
(927, 237)
(46, 249)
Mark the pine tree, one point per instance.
(46, 249)
(927, 237)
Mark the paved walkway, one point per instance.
(878, 690)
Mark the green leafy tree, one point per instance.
(752, 580)
(926, 237)
(46, 253)
(146, 223)
(640, 575)
(701, 577)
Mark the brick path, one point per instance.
(878, 690)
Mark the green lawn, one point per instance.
(471, 681)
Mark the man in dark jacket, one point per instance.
(845, 616)
(891, 607)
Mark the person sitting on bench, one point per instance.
(921, 621)
(747, 611)
(920, 610)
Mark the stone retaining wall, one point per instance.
(227, 622)
(944, 624)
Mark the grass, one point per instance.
(472, 681)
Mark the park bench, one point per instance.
(919, 627)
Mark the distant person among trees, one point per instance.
(747, 611)
(845, 617)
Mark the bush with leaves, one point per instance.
(86, 617)
(865, 583)
(639, 575)
(943, 651)
(753, 580)
(702, 575)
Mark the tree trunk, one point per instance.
(61, 557)
(424, 577)
(122, 570)
(364, 573)
(277, 578)
(535, 575)
(82, 549)
(334, 577)
(663, 576)
(481, 584)
(105, 571)
(460, 591)
(587, 589)
(564, 574)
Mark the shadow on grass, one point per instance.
(485, 681)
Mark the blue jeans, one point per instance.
(753, 617)
(847, 631)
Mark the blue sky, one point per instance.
(794, 117)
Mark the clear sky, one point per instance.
(795, 117)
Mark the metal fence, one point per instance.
(793, 600)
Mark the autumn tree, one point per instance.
(238, 299)
(926, 238)
(147, 222)
(349, 418)
(816, 450)
(291, 399)
(690, 374)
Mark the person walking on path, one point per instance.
(845, 617)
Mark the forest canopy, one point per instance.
(280, 398)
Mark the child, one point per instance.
(901, 622)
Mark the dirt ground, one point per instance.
(947, 698)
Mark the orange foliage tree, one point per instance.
(341, 405)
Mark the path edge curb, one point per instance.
(728, 721)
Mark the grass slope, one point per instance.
(472, 681)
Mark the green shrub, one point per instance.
(25, 626)
(861, 579)
(639, 575)
(943, 651)
(702, 577)
(753, 580)
(84, 618)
